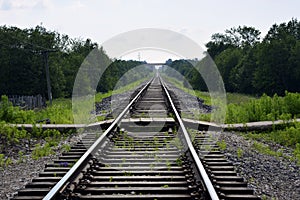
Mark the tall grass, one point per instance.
(265, 108)
(60, 112)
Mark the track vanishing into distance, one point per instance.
(146, 153)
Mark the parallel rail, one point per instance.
(118, 161)
(211, 190)
(83, 160)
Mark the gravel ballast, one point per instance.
(16, 176)
(269, 176)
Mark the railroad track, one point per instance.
(146, 153)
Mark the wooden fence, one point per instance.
(28, 102)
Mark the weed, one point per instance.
(297, 153)
(222, 144)
(66, 147)
(41, 151)
(168, 163)
(265, 149)
(239, 152)
(127, 173)
(179, 162)
(264, 197)
(21, 157)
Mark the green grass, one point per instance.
(60, 112)
(130, 86)
(202, 95)
(239, 152)
(289, 136)
(265, 108)
(265, 149)
(4, 161)
(11, 136)
(99, 96)
(42, 151)
(243, 108)
(235, 98)
(222, 144)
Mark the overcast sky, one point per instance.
(102, 19)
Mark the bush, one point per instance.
(11, 114)
(265, 108)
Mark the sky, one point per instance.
(100, 20)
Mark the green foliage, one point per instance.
(60, 112)
(21, 157)
(236, 98)
(4, 161)
(12, 114)
(248, 64)
(297, 153)
(265, 108)
(239, 152)
(289, 136)
(66, 147)
(10, 135)
(226, 62)
(200, 94)
(121, 73)
(99, 96)
(222, 144)
(179, 162)
(41, 151)
(52, 138)
(265, 149)
(22, 64)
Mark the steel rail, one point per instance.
(210, 188)
(56, 189)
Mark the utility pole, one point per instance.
(45, 54)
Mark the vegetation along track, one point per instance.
(143, 154)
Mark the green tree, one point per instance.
(226, 62)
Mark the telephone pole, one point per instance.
(45, 54)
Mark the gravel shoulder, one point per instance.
(269, 176)
(16, 176)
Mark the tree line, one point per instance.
(250, 64)
(22, 62)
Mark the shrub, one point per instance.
(265, 108)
